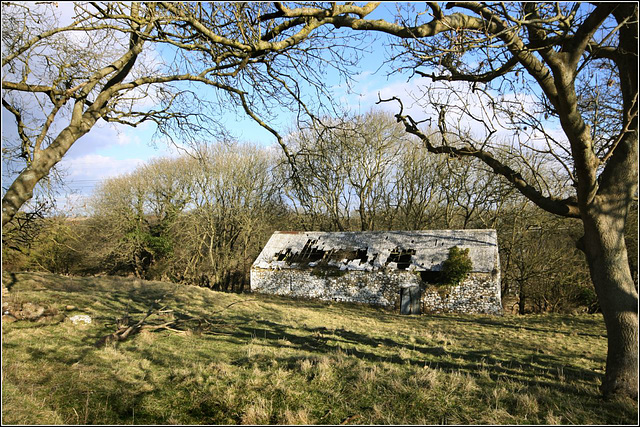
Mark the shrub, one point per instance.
(456, 267)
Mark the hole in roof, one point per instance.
(402, 257)
(311, 253)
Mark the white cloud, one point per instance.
(82, 174)
(95, 167)
(369, 90)
(126, 138)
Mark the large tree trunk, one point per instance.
(606, 254)
(604, 221)
(604, 245)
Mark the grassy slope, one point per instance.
(277, 360)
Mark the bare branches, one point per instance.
(26, 143)
(437, 12)
(629, 118)
(253, 55)
(456, 75)
(565, 207)
(584, 34)
(550, 51)
(74, 26)
(103, 79)
(336, 9)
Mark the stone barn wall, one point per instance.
(477, 294)
(378, 288)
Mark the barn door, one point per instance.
(410, 300)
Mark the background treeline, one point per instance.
(202, 218)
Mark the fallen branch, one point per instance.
(125, 329)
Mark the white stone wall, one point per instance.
(480, 293)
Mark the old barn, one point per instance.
(389, 268)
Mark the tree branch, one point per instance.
(480, 78)
(565, 207)
(26, 142)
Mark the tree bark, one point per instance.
(604, 246)
(607, 258)
(604, 225)
(522, 300)
(21, 190)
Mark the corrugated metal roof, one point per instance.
(411, 250)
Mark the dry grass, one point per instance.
(279, 361)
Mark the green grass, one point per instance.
(282, 361)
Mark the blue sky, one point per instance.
(108, 150)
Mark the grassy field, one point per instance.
(271, 360)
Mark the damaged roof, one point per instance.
(375, 250)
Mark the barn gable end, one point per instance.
(391, 268)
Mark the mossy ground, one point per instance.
(274, 360)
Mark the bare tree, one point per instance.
(197, 219)
(556, 53)
(540, 264)
(130, 63)
(319, 183)
(120, 208)
(364, 171)
(471, 196)
(234, 201)
(345, 168)
(374, 145)
(416, 199)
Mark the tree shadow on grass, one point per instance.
(532, 369)
(499, 323)
(535, 370)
